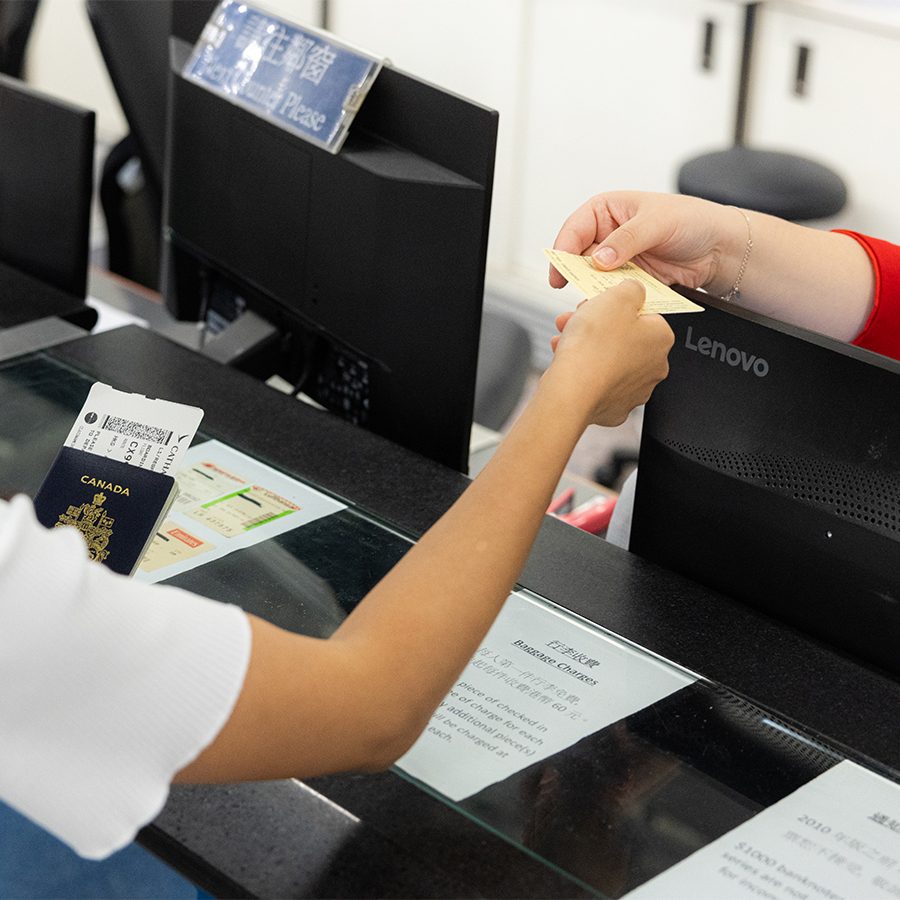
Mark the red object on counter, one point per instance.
(593, 515)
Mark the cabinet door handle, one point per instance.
(801, 72)
(707, 57)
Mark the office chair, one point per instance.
(16, 20)
(46, 180)
(504, 362)
(781, 184)
(133, 37)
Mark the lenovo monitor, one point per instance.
(770, 470)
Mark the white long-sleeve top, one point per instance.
(107, 686)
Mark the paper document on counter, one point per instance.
(835, 838)
(540, 681)
(227, 501)
(580, 271)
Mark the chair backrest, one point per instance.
(46, 180)
(16, 19)
(133, 36)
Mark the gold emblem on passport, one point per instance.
(93, 522)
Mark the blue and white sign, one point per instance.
(302, 79)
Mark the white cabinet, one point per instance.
(619, 94)
(826, 84)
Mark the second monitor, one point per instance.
(369, 263)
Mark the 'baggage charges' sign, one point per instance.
(299, 78)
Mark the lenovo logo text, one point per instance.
(731, 355)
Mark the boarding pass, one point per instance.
(150, 434)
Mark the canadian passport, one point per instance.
(117, 507)
(114, 479)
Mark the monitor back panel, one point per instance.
(370, 262)
(46, 178)
(770, 470)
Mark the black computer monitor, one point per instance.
(770, 470)
(46, 178)
(369, 262)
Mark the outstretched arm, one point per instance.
(360, 698)
(816, 279)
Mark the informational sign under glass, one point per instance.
(301, 79)
(540, 681)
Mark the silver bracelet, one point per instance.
(734, 294)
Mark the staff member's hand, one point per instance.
(820, 280)
(680, 240)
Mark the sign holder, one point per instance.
(301, 79)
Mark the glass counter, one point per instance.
(608, 812)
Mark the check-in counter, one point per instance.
(759, 712)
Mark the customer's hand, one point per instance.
(609, 358)
(680, 240)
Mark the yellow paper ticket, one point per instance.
(580, 271)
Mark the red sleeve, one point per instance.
(881, 332)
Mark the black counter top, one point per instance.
(381, 835)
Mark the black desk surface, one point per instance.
(381, 835)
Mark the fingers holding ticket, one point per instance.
(580, 271)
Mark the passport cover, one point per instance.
(117, 507)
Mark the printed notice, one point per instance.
(580, 271)
(227, 501)
(836, 838)
(540, 681)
